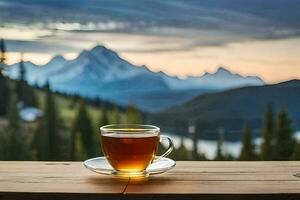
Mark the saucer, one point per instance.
(100, 165)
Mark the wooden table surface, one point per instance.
(188, 180)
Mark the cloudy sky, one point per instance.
(179, 37)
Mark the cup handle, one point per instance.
(170, 148)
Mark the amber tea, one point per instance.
(129, 152)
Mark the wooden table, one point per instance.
(188, 180)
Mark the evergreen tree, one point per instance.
(284, 138)
(133, 115)
(25, 93)
(4, 86)
(2, 55)
(52, 121)
(4, 147)
(219, 153)
(30, 97)
(195, 147)
(268, 134)
(247, 152)
(78, 153)
(18, 148)
(82, 126)
(228, 157)
(47, 140)
(104, 118)
(40, 141)
(201, 157)
(21, 82)
(116, 117)
(296, 153)
(5, 94)
(181, 153)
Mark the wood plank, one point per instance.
(56, 180)
(212, 197)
(221, 180)
(188, 180)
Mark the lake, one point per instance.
(209, 147)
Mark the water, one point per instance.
(209, 147)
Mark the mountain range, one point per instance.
(230, 109)
(102, 73)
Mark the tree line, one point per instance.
(278, 142)
(51, 139)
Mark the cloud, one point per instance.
(204, 23)
(53, 3)
(37, 46)
(88, 27)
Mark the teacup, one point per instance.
(131, 148)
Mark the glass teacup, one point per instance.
(131, 148)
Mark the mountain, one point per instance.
(220, 80)
(231, 109)
(102, 73)
(38, 74)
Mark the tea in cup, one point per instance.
(131, 148)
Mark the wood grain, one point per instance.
(222, 180)
(188, 180)
(55, 180)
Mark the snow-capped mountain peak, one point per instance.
(223, 74)
(57, 58)
(99, 49)
(101, 52)
(220, 72)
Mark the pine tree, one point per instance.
(219, 153)
(284, 141)
(30, 97)
(2, 55)
(79, 152)
(18, 148)
(116, 117)
(296, 153)
(194, 152)
(268, 134)
(201, 157)
(82, 126)
(104, 118)
(21, 82)
(247, 152)
(228, 157)
(47, 140)
(181, 153)
(52, 124)
(133, 115)
(4, 86)
(25, 93)
(40, 141)
(4, 147)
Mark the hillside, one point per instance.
(230, 109)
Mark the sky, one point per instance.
(179, 37)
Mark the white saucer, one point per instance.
(100, 165)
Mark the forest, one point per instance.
(68, 128)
